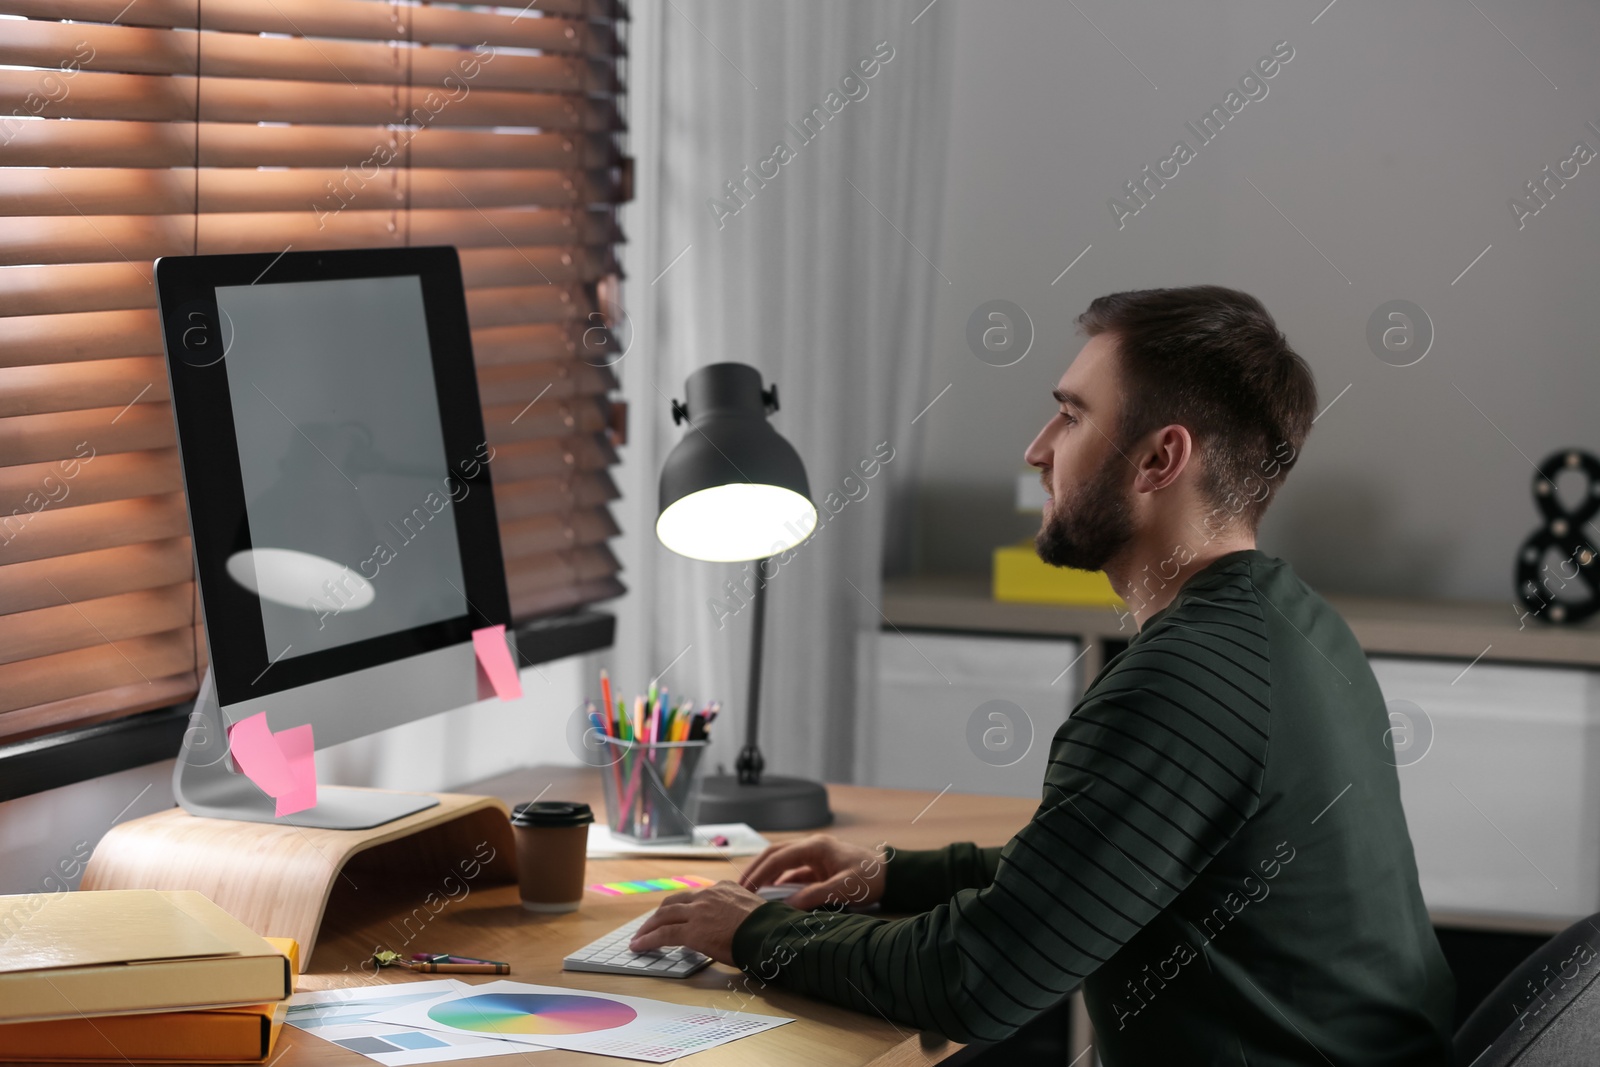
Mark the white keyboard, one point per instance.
(611, 955)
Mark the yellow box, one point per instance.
(1020, 575)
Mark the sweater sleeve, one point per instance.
(1147, 781)
(916, 880)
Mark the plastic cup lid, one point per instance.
(552, 813)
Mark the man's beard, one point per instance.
(1091, 527)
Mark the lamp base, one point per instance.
(778, 803)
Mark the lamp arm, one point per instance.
(750, 764)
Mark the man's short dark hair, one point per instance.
(1213, 360)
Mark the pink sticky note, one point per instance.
(283, 764)
(256, 752)
(299, 750)
(495, 659)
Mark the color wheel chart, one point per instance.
(533, 1014)
(341, 1016)
(578, 1019)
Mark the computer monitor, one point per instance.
(339, 497)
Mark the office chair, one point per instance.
(1546, 1013)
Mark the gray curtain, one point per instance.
(821, 275)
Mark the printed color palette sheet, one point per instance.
(554, 1017)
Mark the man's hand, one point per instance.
(703, 920)
(834, 872)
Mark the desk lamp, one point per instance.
(733, 489)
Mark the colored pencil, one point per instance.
(632, 770)
(676, 733)
(602, 724)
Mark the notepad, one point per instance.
(742, 841)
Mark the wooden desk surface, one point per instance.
(490, 922)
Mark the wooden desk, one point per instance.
(489, 922)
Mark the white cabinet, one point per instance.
(1504, 807)
(971, 714)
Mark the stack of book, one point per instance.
(134, 976)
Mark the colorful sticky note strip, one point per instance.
(651, 885)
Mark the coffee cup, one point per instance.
(552, 845)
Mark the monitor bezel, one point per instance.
(209, 456)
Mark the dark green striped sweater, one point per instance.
(1219, 858)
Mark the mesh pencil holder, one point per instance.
(650, 788)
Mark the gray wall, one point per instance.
(1393, 140)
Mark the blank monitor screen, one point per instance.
(335, 459)
(342, 458)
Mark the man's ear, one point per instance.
(1168, 455)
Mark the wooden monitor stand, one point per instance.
(277, 878)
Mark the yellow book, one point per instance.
(1020, 575)
(111, 952)
(220, 1035)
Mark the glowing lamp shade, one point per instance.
(736, 521)
(733, 488)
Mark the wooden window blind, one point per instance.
(130, 131)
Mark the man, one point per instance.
(1219, 857)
